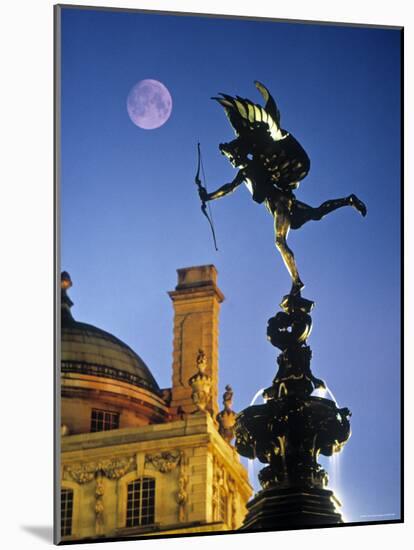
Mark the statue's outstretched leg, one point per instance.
(302, 213)
(282, 225)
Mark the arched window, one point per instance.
(141, 502)
(66, 512)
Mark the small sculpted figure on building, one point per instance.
(227, 417)
(200, 383)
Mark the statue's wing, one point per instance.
(270, 106)
(245, 115)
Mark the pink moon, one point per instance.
(149, 104)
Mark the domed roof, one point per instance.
(90, 350)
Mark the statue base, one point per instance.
(290, 431)
(275, 509)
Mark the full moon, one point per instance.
(149, 104)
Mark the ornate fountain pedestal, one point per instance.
(289, 432)
(276, 509)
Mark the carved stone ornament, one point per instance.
(112, 468)
(82, 473)
(164, 462)
(64, 430)
(232, 491)
(182, 493)
(227, 417)
(117, 468)
(99, 504)
(218, 486)
(200, 383)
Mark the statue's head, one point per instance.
(293, 185)
(235, 153)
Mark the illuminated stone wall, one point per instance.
(200, 484)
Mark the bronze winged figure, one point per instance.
(271, 163)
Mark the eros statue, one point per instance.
(271, 163)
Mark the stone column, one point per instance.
(196, 300)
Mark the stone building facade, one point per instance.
(137, 460)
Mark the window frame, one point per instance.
(94, 422)
(71, 486)
(145, 488)
(64, 517)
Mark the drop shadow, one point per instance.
(43, 532)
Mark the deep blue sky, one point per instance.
(131, 215)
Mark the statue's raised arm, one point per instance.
(223, 190)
